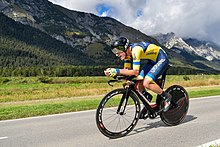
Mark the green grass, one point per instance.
(26, 97)
(28, 110)
(204, 92)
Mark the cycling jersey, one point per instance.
(156, 56)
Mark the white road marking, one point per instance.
(212, 143)
(1, 138)
(85, 111)
(209, 97)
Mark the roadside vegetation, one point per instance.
(33, 96)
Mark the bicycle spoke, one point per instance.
(116, 116)
(117, 123)
(124, 122)
(128, 116)
(126, 119)
(109, 117)
(111, 121)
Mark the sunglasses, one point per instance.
(118, 49)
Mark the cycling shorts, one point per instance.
(153, 70)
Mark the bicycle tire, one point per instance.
(176, 115)
(109, 104)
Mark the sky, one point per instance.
(186, 18)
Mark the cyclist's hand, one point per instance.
(112, 72)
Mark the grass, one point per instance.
(32, 89)
(26, 97)
(37, 109)
(203, 91)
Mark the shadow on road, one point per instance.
(188, 119)
(158, 124)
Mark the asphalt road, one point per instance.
(78, 129)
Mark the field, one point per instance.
(25, 97)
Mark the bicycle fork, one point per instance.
(124, 100)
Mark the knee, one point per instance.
(146, 84)
(139, 86)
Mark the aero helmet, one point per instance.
(120, 45)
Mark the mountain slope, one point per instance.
(208, 50)
(85, 32)
(200, 54)
(72, 27)
(25, 46)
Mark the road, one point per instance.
(79, 130)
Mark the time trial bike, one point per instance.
(119, 110)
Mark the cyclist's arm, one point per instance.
(129, 72)
(136, 53)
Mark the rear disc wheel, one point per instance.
(179, 106)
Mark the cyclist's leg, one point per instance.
(143, 72)
(153, 74)
(139, 86)
(158, 68)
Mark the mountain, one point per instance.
(206, 49)
(78, 29)
(84, 32)
(197, 53)
(57, 36)
(22, 45)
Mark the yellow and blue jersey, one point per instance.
(151, 52)
(142, 50)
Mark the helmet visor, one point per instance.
(118, 49)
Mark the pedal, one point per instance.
(152, 115)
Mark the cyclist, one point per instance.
(156, 65)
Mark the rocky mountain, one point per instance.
(208, 50)
(77, 29)
(201, 54)
(89, 35)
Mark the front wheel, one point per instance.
(176, 113)
(117, 113)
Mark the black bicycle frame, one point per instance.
(160, 82)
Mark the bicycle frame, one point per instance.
(113, 125)
(130, 87)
